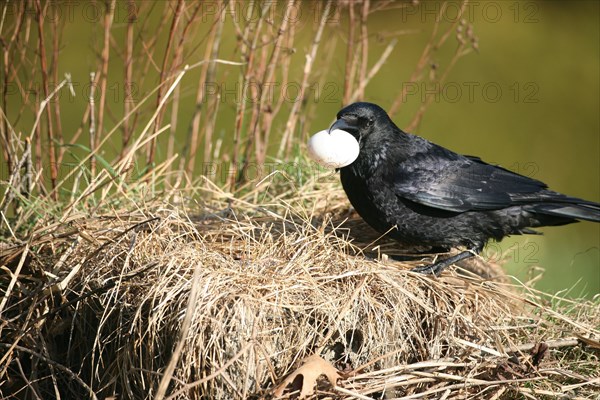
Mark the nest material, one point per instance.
(226, 305)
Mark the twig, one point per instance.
(566, 342)
(128, 78)
(364, 82)
(211, 79)
(343, 312)
(128, 159)
(177, 93)
(218, 372)
(425, 57)
(103, 73)
(44, 70)
(193, 138)
(568, 388)
(56, 37)
(5, 131)
(53, 363)
(163, 74)
(350, 56)
(92, 125)
(14, 277)
(364, 38)
(351, 393)
(249, 55)
(543, 392)
(261, 134)
(310, 59)
(183, 332)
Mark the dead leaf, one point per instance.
(311, 369)
(538, 353)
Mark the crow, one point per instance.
(420, 193)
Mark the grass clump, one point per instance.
(225, 299)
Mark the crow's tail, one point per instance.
(577, 210)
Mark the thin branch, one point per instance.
(53, 363)
(128, 81)
(92, 103)
(45, 85)
(193, 137)
(350, 58)
(308, 65)
(262, 134)
(183, 332)
(364, 37)
(211, 78)
(103, 73)
(163, 74)
(364, 82)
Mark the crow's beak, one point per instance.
(343, 125)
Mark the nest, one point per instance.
(224, 303)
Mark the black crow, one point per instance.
(423, 194)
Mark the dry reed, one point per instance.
(109, 300)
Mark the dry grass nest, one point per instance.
(226, 299)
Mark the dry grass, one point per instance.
(223, 300)
(134, 283)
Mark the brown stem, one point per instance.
(310, 58)
(349, 76)
(364, 47)
(44, 69)
(256, 76)
(148, 48)
(259, 71)
(247, 55)
(312, 107)
(128, 76)
(163, 73)
(103, 76)
(425, 58)
(194, 129)
(211, 78)
(178, 60)
(262, 134)
(285, 70)
(430, 96)
(6, 63)
(93, 142)
(56, 34)
(374, 69)
(37, 134)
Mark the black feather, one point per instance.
(425, 194)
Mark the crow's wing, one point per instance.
(445, 180)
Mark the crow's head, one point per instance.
(361, 120)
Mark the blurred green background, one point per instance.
(528, 99)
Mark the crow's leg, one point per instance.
(438, 267)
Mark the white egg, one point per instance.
(334, 149)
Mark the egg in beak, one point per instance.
(333, 147)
